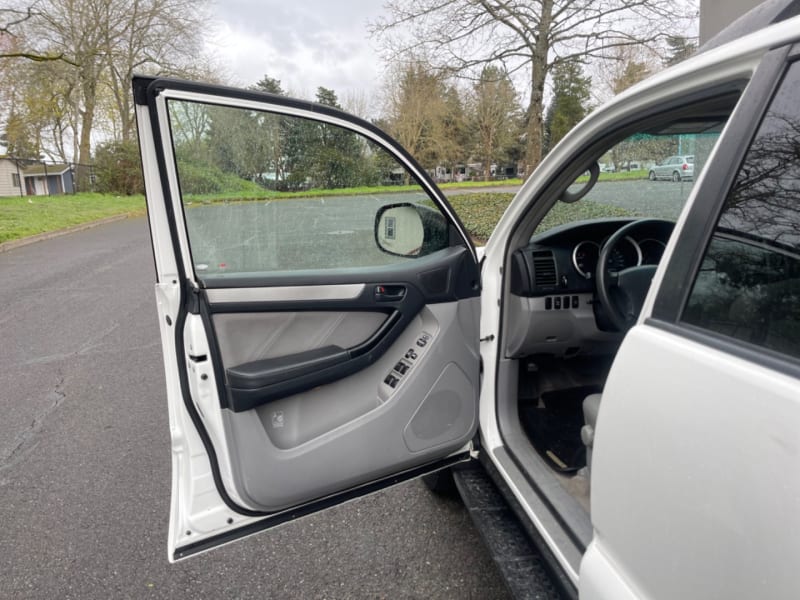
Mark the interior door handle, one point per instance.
(389, 293)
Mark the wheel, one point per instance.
(442, 484)
(676, 176)
(652, 176)
(622, 293)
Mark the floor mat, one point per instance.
(554, 427)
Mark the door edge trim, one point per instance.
(280, 518)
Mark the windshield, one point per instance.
(645, 175)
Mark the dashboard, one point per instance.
(553, 290)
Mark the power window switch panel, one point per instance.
(391, 381)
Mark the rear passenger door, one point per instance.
(694, 474)
(319, 327)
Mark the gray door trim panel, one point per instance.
(358, 429)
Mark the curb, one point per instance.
(47, 235)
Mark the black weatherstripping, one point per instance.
(186, 300)
(276, 519)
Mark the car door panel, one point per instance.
(346, 432)
(295, 375)
(661, 425)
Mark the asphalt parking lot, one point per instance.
(85, 461)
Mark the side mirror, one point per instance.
(410, 230)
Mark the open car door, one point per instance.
(315, 348)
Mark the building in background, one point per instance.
(20, 177)
(10, 177)
(42, 179)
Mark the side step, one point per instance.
(520, 563)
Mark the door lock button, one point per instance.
(411, 355)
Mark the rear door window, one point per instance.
(748, 285)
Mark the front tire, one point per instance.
(442, 484)
(652, 176)
(676, 176)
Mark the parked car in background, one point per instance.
(675, 168)
(626, 370)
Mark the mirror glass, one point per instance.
(399, 230)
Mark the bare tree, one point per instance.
(525, 36)
(493, 116)
(417, 110)
(101, 44)
(11, 19)
(156, 37)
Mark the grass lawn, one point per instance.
(620, 176)
(28, 215)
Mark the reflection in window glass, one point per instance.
(748, 286)
(265, 192)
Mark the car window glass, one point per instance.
(641, 177)
(265, 192)
(748, 286)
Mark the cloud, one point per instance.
(316, 43)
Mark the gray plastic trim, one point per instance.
(350, 432)
(248, 337)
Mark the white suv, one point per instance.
(626, 369)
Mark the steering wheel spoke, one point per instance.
(622, 293)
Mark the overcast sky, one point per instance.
(303, 43)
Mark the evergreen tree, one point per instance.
(680, 48)
(270, 85)
(570, 103)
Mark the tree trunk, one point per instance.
(535, 134)
(83, 169)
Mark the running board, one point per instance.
(522, 566)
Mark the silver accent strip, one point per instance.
(575, 258)
(286, 294)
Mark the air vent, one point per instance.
(544, 269)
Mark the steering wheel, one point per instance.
(622, 293)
